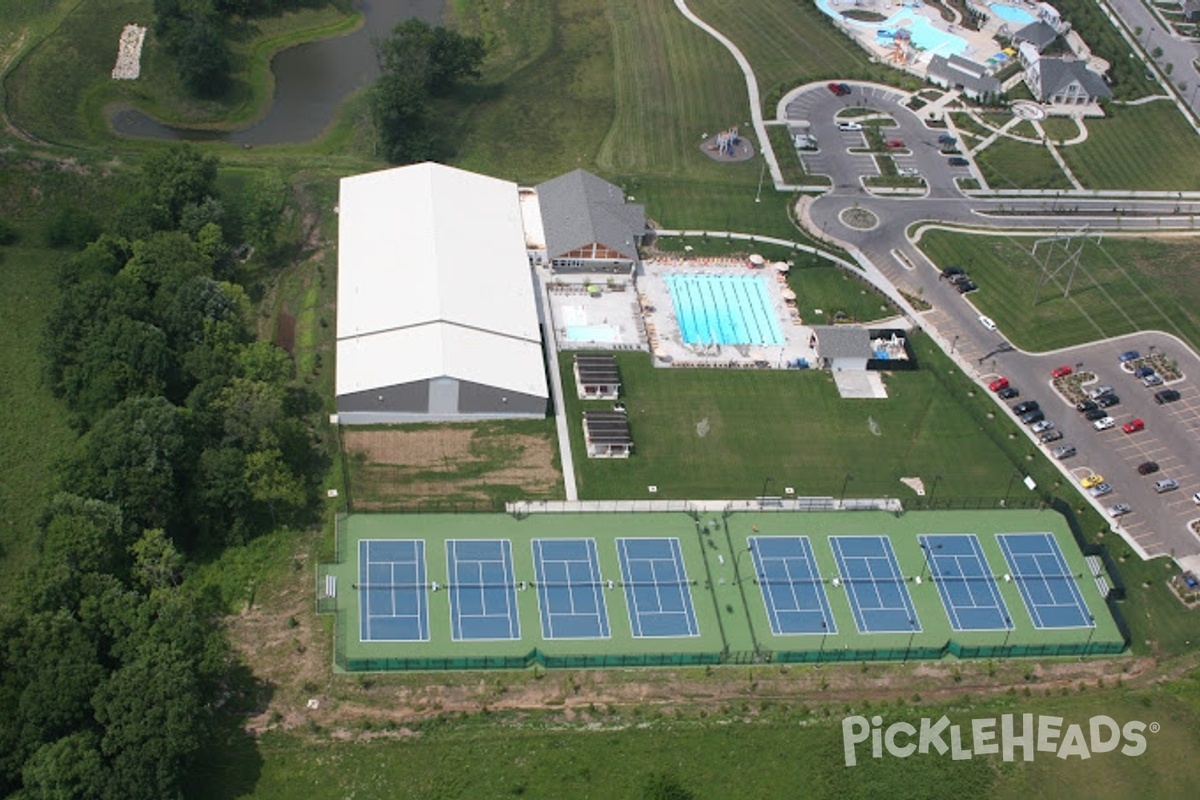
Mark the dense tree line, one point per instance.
(419, 63)
(196, 33)
(193, 436)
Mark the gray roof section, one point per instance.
(578, 209)
(1190, 8)
(842, 341)
(1056, 74)
(1039, 34)
(959, 71)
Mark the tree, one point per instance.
(202, 57)
(70, 768)
(177, 176)
(157, 564)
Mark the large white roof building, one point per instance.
(436, 313)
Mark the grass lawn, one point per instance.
(1009, 164)
(834, 291)
(1123, 285)
(1060, 128)
(761, 748)
(1137, 147)
(718, 433)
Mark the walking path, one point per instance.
(550, 342)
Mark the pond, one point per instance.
(311, 82)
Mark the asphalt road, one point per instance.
(1172, 435)
(1175, 51)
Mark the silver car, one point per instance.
(1063, 451)
(1166, 485)
(1120, 510)
(1100, 489)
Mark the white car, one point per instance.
(1044, 425)
(849, 126)
(987, 323)
(1104, 424)
(1196, 498)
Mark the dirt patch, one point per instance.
(448, 463)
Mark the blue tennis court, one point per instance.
(965, 583)
(391, 591)
(570, 595)
(874, 586)
(483, 593)
(1046, 583)
(656, 588)
(724, 309)
(791, 585)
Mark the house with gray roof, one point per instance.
(1190, 10)
(973, 79)
(1065, 82)
(1039, 34)
(588, 225)
(842, 347)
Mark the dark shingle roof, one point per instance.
(607, 427)
(842, 341)
(597, 369)
(1039, 34)
(578, 209)
(1055, 74)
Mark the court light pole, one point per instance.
(1008, 491)
(1091, 632)
(933, 491)
(912, 626)
(928, 558)
(824, 634)
(766, 482)
(1008, 629)
(845, 483)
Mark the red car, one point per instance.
(1133, 426)
(833, 87)
(1062, 371)
(894, 143)
(998, 384)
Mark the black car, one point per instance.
(950, 272)
(1030, 417)
(958, 277)
(1095, 414)
(966, 286)
(1108, 400)
(957, 161)
(1052, 435)
(1025, 407)
(1084, 406)
(1166, 396)
(843, 89)
(1008, 393)
(1147, 468)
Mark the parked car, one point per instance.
(1129, 355)
(1120, 510)
(1085, 405)
(1147, 468)
(1030, 417)
(833, 87)
(1025, 407)
(849, 126)
(1104, 424)
(1108, 400)
(1166, 485)
(1142, 372)
(1166, 396)
(1099, 392)
(958, 277)
(1061, 372)
(1100, 490)
(1008, 393)
(1196, 498)
(998, 384)
(1134, 425)
(1063, 451)
(958, 161)
(894, 144)
(966, 286)
(1044, 425)
(1052, 435)
(1152, 379)
(843, 89)
(945, 138)
(987, 323)
(950, 272)
(1095, 479)
(1095, 414)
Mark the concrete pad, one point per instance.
(860, 385)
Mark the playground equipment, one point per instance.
(726, 142)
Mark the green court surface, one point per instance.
(729, 608)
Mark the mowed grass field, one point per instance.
(1009, 164)
(1137, 147)
(1122, 285)
(720, 433)
(765, 747)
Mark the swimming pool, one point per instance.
(1011, 13)
(924, 34)
(592, 333)
(724, 309)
